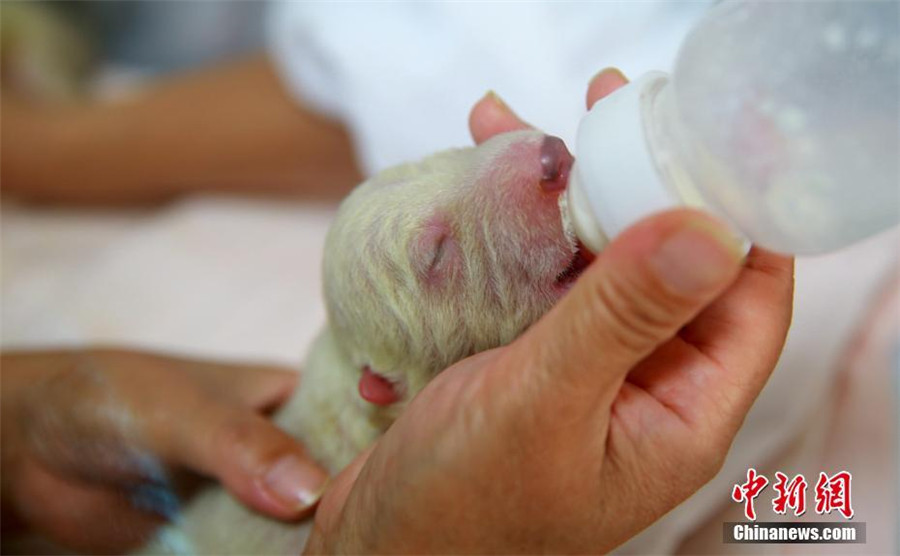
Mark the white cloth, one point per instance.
(404, 76)
(214, 277)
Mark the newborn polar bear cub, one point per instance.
(425, 264)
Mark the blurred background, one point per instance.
(72, 44)
(169, 171)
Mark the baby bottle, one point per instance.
(779, 117)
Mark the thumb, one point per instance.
(331, 509)
(648, 283)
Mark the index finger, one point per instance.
(604, 83)
(491, 116)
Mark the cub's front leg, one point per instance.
(327, 416)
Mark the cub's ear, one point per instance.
(376, 389)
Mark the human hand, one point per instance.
(613, 408)
(85, 433)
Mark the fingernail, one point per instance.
(495, 98)
(610, 71)
(295, 482)
(696, 258)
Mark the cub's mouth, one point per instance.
(581, 256)
(580, 260)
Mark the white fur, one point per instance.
(388, 309)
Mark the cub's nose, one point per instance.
(556, 162)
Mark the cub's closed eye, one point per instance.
(436, 254)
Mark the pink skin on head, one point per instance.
(533, 177)
(522, 184)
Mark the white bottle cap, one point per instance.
(615, 181)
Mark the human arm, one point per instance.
(230, 129)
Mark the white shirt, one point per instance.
(403, 77)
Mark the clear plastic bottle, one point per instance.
(780, 117)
